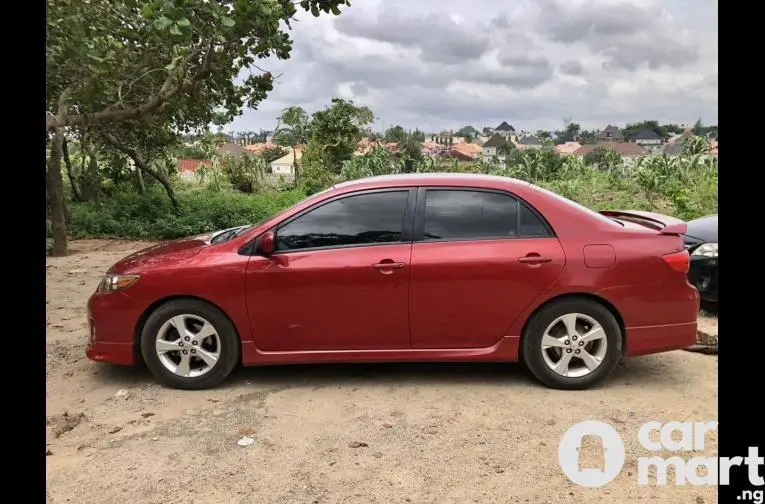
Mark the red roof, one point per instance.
(191, 165)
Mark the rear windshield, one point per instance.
(583, 208)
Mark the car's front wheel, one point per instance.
(189, 344)
(572, 344)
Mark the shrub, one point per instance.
(129, 215)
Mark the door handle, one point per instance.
(534, 259)
(382, 265)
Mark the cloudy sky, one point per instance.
(442, 64)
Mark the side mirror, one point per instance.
(266, 244)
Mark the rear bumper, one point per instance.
(656, 339)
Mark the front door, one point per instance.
(339, 279)
(479, 259)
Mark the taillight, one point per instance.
(678, 261)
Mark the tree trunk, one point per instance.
(55, 183)
(70, 171)
(91, 180)
(295, 166)
(139, 181)
(143, 166)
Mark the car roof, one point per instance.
(414, 179)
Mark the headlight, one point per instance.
(706, 250)
(116, 283)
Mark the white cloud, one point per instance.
(441, 64)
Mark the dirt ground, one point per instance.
(383, 434)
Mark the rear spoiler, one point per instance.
(664, 224)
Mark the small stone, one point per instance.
(387, 425)
(357, 444)
(147, 414)
(48, 453)
(246, 431)
(115, 430)
(155, 439)
(245, 441)
(122, 393)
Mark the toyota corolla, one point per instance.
(405, 268)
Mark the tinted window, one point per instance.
(531, 225)
(454, 215)
(355, 220)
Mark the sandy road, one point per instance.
(337, 434)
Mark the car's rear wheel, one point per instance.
(572, 344)
(189, 344)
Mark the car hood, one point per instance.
(164, 253)
(702, 230)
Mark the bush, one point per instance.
(129, 215)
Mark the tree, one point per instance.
(698, 128)
(296, 131)
(632, 129)
(418, 135)
(112, 62)
(395, 134)
(587, 137)
(338, 129)
(569, 134)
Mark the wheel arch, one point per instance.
(577, 295)
(156, 304)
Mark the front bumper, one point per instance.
(703, 276)
(112, 319)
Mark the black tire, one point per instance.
(230, 346)
(532, 352)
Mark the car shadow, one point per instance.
(641, 371)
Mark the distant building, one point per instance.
(490, 149)
(610, 134)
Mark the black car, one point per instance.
(701, 243)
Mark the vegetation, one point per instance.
(235, 192)
(130, 77)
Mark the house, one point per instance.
(231, 149)
(647, 138)
(567, 148)
(188, 168)
(490, 148)
(529, 142)
(258, 148)
(624, 149)
(466, 151)
(431, 148)
(285, 165)
(674, 148)
(504, 129)
(610, 134)
(688, 133)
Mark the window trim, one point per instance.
(406, 232)
(419, 221)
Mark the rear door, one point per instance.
(479, 258)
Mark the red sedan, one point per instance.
(405, 268)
